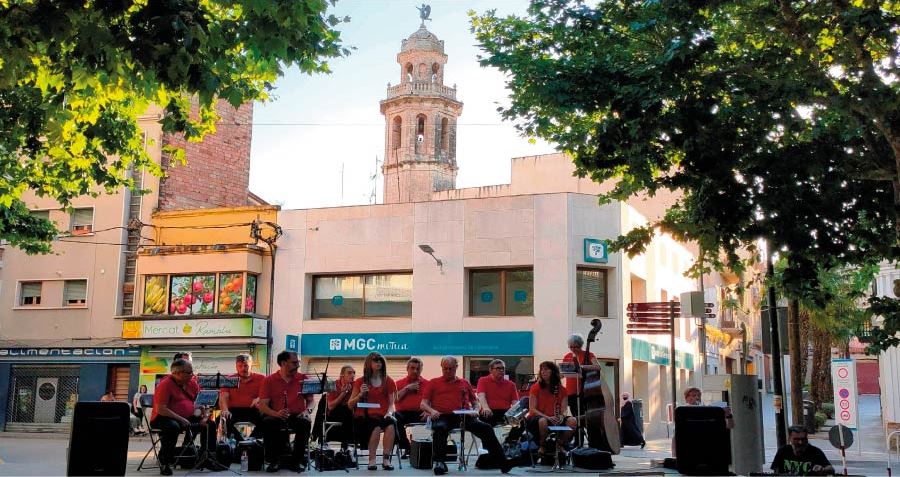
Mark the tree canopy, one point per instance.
(75, 77)
(774, 119)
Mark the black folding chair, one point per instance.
(146, 403)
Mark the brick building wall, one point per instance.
(217, 173)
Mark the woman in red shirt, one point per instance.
(547, 404)
(375, 387)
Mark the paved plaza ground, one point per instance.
(35, 454)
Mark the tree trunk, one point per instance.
(804, 344)
(796, 366)
(820, 385)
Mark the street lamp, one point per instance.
(430, 251)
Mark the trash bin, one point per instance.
(638, 406)
(809, 416)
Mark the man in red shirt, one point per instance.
(446, 394)
(284, 407)
(240, 404)
(339, 409)
(496, 394)
(576, 343)
(409, 398)
(173, 411)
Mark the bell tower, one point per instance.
(420, 117)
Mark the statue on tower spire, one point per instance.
(424, 13)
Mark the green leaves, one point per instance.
(75, 76)
(734, 106)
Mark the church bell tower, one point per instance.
(420, 117)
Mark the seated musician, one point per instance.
(409, 397)
(496, 394)
(240, 404)
(547, 405)
(446, 394)
(375, 387)
(173, 412)
(339, 408)
(284, 407)
(576, 354)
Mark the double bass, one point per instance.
(597, 402)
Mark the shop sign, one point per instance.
(73, 353)
(489, 343)
(659, 354)
(595, 251)
(211, 328)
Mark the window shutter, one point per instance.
(83, 216)
(31, 290)
(75, 292)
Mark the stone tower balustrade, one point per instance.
(425, 88)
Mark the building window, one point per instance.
(155, 295)
(30, 294)
(396, 132)
(591, 292)
(82, 221)
(197, 294)
(355, 296)
(192, 294)
(420, 129)
(40, 214)
(445, 134)
(75, 293)
(501, 292)
(250, 301)
(230, 292)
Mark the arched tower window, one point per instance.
(435, 73)
(420, 128)
(409, 72)
(396, 132)
(445, 134)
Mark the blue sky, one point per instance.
(317, 124)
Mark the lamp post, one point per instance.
(778, 385)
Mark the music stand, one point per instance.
(206, 399)
(321, 386)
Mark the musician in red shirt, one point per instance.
(240, 404)
(339, 407)
(496, 394)
(576, 354)
(547, 404)
(173, 411)
(409, 397)
(446, 394)
(375, 387)
(283, 406)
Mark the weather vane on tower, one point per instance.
(424, 13)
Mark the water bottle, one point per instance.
(245, 466)
(428, 423)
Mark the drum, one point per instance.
(516, 414)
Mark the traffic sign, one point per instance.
(843, 375)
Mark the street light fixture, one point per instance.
(430, 251)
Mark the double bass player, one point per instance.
(589, 395)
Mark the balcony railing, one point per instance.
(421, 88)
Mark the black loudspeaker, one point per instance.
(702, 442)
(420, 454)
(98, 443)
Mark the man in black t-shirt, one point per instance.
(799, 457)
